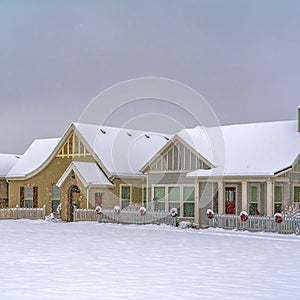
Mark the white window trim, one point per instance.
(120, 193)
(166, 186)
(293, 192)
(258, 195)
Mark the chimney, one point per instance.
(298, 118)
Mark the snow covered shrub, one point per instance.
(186, 225)
(291, 210)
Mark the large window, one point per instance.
(174, 198)
(28, 196)
(159, 198)
(55, 198)
(253, 201)
(278, 199)
(125, 195)
(296, 193)
(188, 201)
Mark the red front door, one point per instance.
(230, 198)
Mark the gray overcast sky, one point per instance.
(55, 56)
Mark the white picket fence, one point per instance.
(124, 217)
(22, 213)
(288, 225)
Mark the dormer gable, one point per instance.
(176, 156)
(73, 147)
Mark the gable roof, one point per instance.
(7, 161)
(122, 151)
(35, 156)
(177, 138)
(119, 151)
(253, 149)
(88, 173)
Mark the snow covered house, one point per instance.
(259, 173)
(251, 167)
(7, 161)
(90, 165)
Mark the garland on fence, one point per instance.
(244, 216)
(210, 213)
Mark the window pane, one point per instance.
(159, 193)
(174, 194)
(253, 194)
(253, 209)
(54, 205)
(125, 192)
(188, 210)
(159, 197)
(55, 193)
(174, 198)
(28, 192)
(188, 194)
(296, 193)
(277, 208)
(28, 203)
(278, 194)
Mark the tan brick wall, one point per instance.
(51, 174)
(136, 185)
(42, 180)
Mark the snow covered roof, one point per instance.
(122, 151)
(7, 161)
(34, 157)
(258, 149)
(88, 173)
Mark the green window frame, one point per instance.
(174, 198)
(28, 196)
(253, 201)
(296, 194)
(125, 192)
(278, 199)
(159, 198)
(188, 202)
(55, 198)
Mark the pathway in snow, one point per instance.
(44, 260)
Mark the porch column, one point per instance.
(244, 196)
(147, 191)
(270, 200)
(196, 216)
(220, 198)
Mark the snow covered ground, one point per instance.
(44, 260)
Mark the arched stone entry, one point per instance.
(73, 197)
